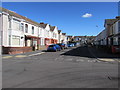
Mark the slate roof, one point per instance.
(110, 21)
(63, 33)
(59, 31)
(43, 25)
(52, 28)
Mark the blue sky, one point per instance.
(68, 15)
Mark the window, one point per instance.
(48, 33)
(119, 26)
(15, 40)
(115, 41)
(26, 28)
(9, 39)
(32, 30)
(16, 24)
(55, 35)
(9, 23)
(22, 27)
(118, 40)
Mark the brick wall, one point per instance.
(15, 50)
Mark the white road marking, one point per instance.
(106, 59)
(80, 60)
(69, 59)
(90, 61)
(36, 54)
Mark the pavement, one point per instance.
(33, 53)
(77, 67)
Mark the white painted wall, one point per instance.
(5, 30)
(42, 35)
(36, 28)
(0, 33)
(55, 33)
(47, 32)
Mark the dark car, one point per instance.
(62, 45)
(54, 47)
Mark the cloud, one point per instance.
(87, 15)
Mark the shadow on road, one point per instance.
(90, 52)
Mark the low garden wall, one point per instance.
(16, 50)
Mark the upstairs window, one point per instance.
(9, 23)
(22, 27)
(26, 28)
(119, 26)
(15, 25)
(32, 30)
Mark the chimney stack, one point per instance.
(41, 22)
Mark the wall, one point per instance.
(0, 33)
(5, 30)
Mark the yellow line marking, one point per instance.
(7, 56)
(19, 56)
(106, 59)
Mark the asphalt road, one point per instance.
(81, 67)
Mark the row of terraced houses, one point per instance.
(110, 36)
(20, 34)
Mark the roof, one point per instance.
(18, 16)
(43, 25)
(52, 28)
(69, 36)
(117, 17)
(63, 33)
(59, 30)
(85, 36)
(110, 21)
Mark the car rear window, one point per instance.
(51, 45)
(58, 44)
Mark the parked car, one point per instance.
(71, 45)
(62, 45)
(54, 47)
(66, 46)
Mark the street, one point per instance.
(76, 67)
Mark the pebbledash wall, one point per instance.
(20, 34)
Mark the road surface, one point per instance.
(77, 67)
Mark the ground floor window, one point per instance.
(115, 41)
(118, 40)
(34, 42)
(15, 40)
(9, 39)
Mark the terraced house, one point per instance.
(21, 34)
(110, 36)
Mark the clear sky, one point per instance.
(73, 18)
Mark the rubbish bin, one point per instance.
(33, 47)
